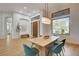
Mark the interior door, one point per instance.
(9, 28)
(35, 29)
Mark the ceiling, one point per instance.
(29, 8)
(25, 8)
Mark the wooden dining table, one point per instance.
(42, 44)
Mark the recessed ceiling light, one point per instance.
(21, 11)
(25, 7)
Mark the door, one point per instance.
(9, 28)
(9, 25)
(35, 29)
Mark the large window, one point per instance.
(61, 25)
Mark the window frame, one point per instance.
(60, 17)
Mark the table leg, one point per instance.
(43, 51)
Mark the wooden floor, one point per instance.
(15, 48)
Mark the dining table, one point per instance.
(42, 44)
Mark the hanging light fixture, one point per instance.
(46, 19)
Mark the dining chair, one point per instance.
(55, 49)
(54, 43)
(64, 40)
(63, 49)
(57, 42)
(30, 51)
(32, 45)
(46, 37)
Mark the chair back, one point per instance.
(46, 37)
(58, 48)
(27, 50)
(63, 41)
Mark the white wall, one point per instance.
(3, 16)
(74, 20)
(46, 29)
(25, 26)
(16, 20)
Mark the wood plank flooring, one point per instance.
(14, 47)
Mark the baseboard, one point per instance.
(72, 41)
(2, 38)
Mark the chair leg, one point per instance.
(64, 49)
(52, 53)
(60, 54)
(38, 54)
(32, 45)
(63, 52)
(56, 54)
(48, 53)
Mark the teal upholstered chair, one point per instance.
(63, 49)
(57, 41)
(63, 41)
(30, 51)
(57, 48)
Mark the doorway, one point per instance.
(8, 28)
(35, 28)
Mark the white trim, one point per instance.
(6, 27)
(35, 15)
(60, 16)
(35, 20)
(21, 14)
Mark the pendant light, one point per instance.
(45, 18)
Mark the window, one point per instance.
(61, 25)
